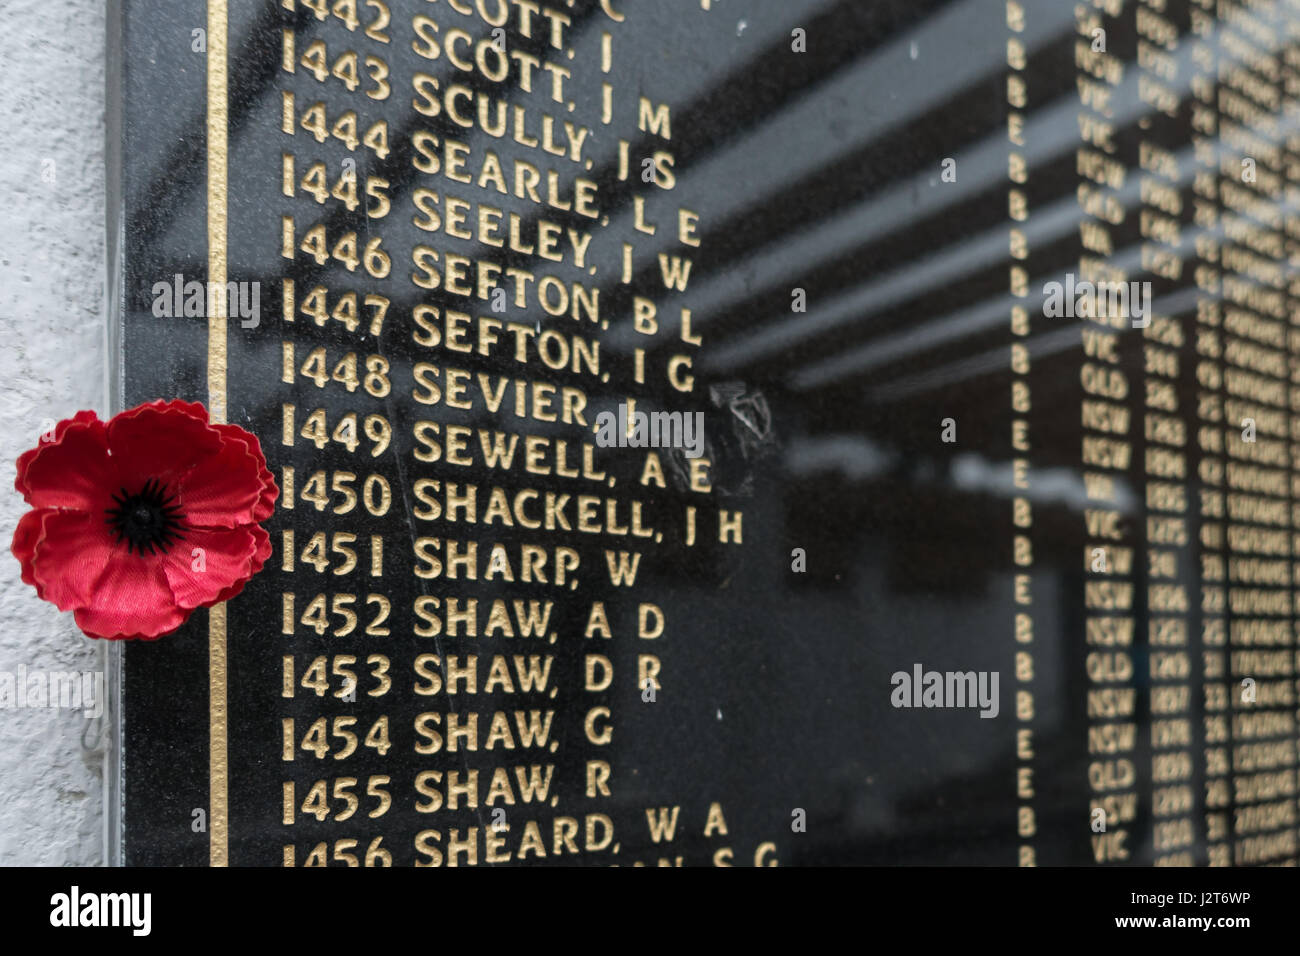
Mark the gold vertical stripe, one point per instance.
(218, 120)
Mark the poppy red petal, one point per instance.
(26, 535)
(227, 560)
(270, 490)
(161, 441)
(172, 406)
(117, 623)
(27, 457)
(259, 558)
(78, 568)
(73, 551)
(265, 506)
(74, 471)
(225, 489)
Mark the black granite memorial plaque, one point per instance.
(968, 535)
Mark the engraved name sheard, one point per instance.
(666, 398)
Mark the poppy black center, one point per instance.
(147, 519)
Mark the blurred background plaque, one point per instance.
(955, 573)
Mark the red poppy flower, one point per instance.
(143, 518)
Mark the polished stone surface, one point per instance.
(819, 171)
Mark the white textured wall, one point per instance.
(51, 364)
